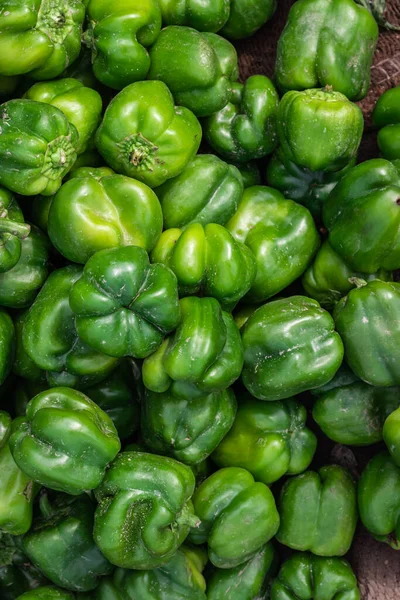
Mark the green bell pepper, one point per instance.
(20, 285)
(309, 188)
(207, 260)
(280, 233)
(327, 43)
(17, 574)
(13, 230)
(205, 89)
(391, 432)
(123, 305)
(204, 355)
(46, 593)
(379, 499)
(23, 365)
(231, 506)
(319, 511)
(329, 278)
(354, 414)
(97, 209)
(386, 116)
(319, 129)
(81, 105)
(188, 430)
(119, 35)
(17, 490)
(50, 338)
(38, 146)
(145, 136)
(40, 37)
(23, 392)
(144, 512)
(61, 543)
(307, 577)
(235, 19)
(362, 217)
(290, 346)
(368, 321)
(248, 581)
(7, 344)
(82, 70)
(245, 129)
(66, 441)
(269, 439)
(207, 191)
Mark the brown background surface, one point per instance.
(377, 566)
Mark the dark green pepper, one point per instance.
(46, 593)
(7, 344)
(188, 430)
(327, 43)
(145, 136)
(290, 346)
(319, 512)
(66, 441)
(207, 259)
(144, 512)
(391, 433)
(205, 89)
(368, 321)
(362, 216)
(280, 233)
(207, 191)
(17, 574)
(204, 355)
(50, 338)
(319, 129)
(38, 146)
(23, 365)
(269, 439)
(231, 506)
(386, 116)
(307, 577)
(61, 543)
(245, 129)
(123, 305)
(250, 173)
(13, 230)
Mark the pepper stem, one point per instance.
(20, 230)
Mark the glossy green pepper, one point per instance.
(205, 89)
(123, 305)
(319, 129)
(136, 25)
(50, 338)
(307, 577)
(368, 321)
(66, 441)
(269, 439)
(23, 365)
(386, 116)
(17, 574)
(144, 512)
(20, 285)
(391, 432)
(327, 43)
(17, 490)
(354, 414)
(204, 354)
(379, 499)
(309, 188)
(145, 136)
(235, 19)
(188, 430)
(362, 216)
(245, 129)
(207, 191)
(231, 506)
(248, 581)
(61, 543)
(329, 278)
(207, 260)
(46, 593)
(7, 344)
(40, 37)
(97, 209)
(13, 230)
(38, 146)
(81, 105)
(280, 233)
(290, 346)
(319, 512)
